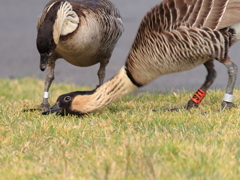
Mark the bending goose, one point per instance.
(175, 35)
(83, 32)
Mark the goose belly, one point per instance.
(152, 67)
(81, 58)
(177, 62)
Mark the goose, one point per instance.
(174, 36)
(83, 32)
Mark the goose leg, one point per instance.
(48, 81)
(101, 72)
(232, 76)
(195, 101)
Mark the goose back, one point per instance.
(171, 14)
(97, 5)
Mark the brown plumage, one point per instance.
(175, 35)
(83, 32)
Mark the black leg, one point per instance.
(48, 81)
(195, 101)
(101, 71)
(199, 95)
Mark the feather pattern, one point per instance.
(213, 14)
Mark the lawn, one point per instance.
(134, 138)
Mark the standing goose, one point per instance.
(174, 36)
(83, 32)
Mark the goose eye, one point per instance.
(67, 98)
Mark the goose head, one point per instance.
(74, 103)
(46, 43)
(57, 20)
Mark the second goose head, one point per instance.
(70, 103)
(58, 19)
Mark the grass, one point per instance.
(127, 140)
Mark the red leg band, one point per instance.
(198, 96)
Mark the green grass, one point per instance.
(127, 140)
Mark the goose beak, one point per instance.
(44, 61)
(53, 109)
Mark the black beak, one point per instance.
(53, 109)
(44, 61)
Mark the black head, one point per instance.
(64, 104)
(45, 37)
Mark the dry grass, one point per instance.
(127, 140)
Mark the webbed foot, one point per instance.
(42, 107)
(191, 104)
(228, 105)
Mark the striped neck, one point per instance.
(109, 92)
